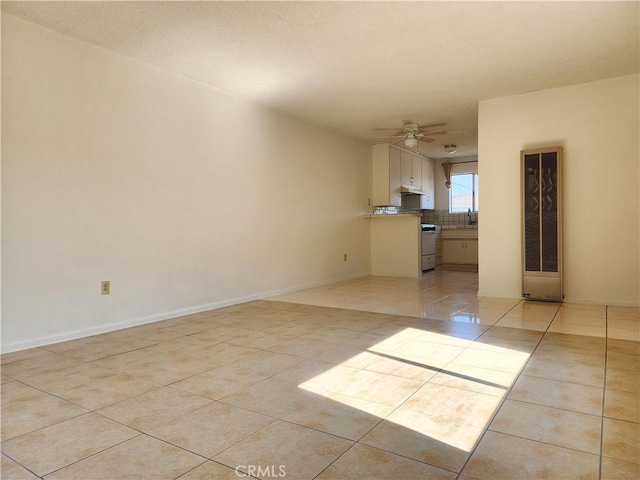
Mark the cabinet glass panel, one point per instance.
(532, 212)
(549, 209)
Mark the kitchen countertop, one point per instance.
(456, 227)
(403, 214)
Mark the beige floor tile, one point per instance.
(454, 404)
(341, 335)
(623, 372)
(569, 355)
(555, 369)
(141, 457)
(401, 368)
(273, 446)
(103, 349)
(623, 312)
(211, 429)
(340, 415)
(219, 382)
(485, 318)
(85, 342)
(64, 443)
(562, 428)
(492, 342)
(303, 371)
(621, 322)
(43, 364)
(5, 379)
(211, 471)
(621, 440)
(188, 347)
(70, 377)
(364, 462)
(622, 405)
(11, 470)
(154, 408)
(628, 347)
(107, 391)
(291, 329)
(305, 348)
(222, 353)
(190, 327)
(25, 409)
(574, 343)
(506, 457)
(260, 339)
(30, 353)
(156, 365)
(470, 331)
(444, 339)
(14, 471)
(265, 364)
(445, 444)
(475, 379)
(618, 470)
(534, 323)
(564, 395)
(624, 333)
(499, 358)
(269, 397)
(367, 385)
(576, 329)
(429, 355)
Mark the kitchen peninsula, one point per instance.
(395, 244)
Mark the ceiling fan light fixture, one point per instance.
(451, 148)
(411, 142)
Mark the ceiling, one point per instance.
(355, 66)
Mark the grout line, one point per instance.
(604, 388)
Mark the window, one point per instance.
(463, 194)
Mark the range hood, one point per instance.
(407, 188)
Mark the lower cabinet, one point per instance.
(460, 251)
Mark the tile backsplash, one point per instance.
(443, 217)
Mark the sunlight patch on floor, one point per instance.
(435, 384)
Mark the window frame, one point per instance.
(474, 193)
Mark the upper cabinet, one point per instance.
(396, 170)
(386, 176)
(427, 199)
(411, 170)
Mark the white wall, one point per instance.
(597, 124)
(183, 197)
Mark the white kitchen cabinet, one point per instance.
(460, 251)
(411, 169)
(460, 246)
(427, 199)
(386, 176)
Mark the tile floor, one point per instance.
(376, 378)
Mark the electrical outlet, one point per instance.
(105, 287)
(345, 257)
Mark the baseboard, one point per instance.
(75, 334)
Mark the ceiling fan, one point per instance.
(411, 133)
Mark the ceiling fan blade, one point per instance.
(392, 136)
(426, 140)
(432, 132)
(432, 125)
